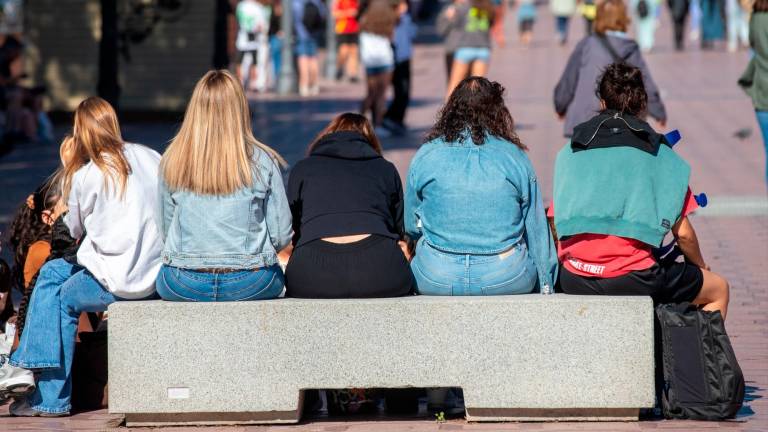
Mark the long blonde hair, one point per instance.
(213, 152)
(95, 138)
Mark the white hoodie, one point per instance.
(122, 245)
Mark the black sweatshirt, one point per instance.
(345, 188)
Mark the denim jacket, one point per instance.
(244, 230)
(478, 199)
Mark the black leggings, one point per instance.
(374, 267)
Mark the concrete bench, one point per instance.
(518, 358)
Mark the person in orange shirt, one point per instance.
(345, 13)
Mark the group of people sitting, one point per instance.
(211, 220)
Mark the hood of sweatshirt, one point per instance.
(345, 145)
(614, 129)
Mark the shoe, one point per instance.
(354, 80)
(303, 91)
(21, 408)
(314, 90)
(15, 382)
(382, 132)
(394, 127)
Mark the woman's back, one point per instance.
(469, 198)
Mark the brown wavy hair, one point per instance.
(380, 18)
(475, 110)
(611, 15)
(349, 122)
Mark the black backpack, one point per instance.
(642, 9)
(312, 18)
(702, 379)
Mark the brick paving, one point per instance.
(703, 101)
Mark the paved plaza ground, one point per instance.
(703, 101)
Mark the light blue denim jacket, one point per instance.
(470, 199)
(244, 230)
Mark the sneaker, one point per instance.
(314, 90)
(21, 408)
(15, 381)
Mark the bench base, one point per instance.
(473, 415)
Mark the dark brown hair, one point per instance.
(380, 18)
(349, 122)
(475, 110)
(611, 15)
(622, 89)
(760, 6)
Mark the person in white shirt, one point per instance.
(252, 43)
(110, 188)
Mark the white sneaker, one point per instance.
(21, 408)
(15, 381)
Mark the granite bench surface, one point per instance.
(528, 357)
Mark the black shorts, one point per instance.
(526, 25)
(374, 267)
(347, 38)
(241, 56)
(675, 283)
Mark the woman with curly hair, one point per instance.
(473, 203)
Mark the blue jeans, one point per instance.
(561, 22)
(762, 120)
(276, 53)
(450, 274)
(178, 284)
(62, 292)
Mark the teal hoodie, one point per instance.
(618, 177)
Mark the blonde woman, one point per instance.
(223, 211)
(110, 188)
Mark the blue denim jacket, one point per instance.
(243, 230)
(478, 199)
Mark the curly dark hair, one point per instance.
(475, 110)
(622, 89)
(28, 226)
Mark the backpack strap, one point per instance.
(611, 50)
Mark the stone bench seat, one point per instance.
(518, 358)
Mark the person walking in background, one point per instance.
(347, 206)
(574, 96)
(223, 212)
(526, 18)
(473, 53)
(110, 188)
(405, 32)
(276, 40)
(755, 78)
(377, 27)
(737, 13)
(448, 29)
(711, 22)
(308, 21)
(473, 204)
(588, 9)
(563, 10)
(607, 233)
(645, 13)
(252, 43)
(678, 12)
(347, 34)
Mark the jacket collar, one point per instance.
(345, 145)
(613, 129)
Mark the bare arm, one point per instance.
(688, 242)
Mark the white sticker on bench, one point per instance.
(178, 392)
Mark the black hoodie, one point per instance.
(345, 188)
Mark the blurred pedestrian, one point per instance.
(347, 34)
(711, 22)
(252, 43)
(377, 28)
(755, 79)
(588, 9)
(448, 29)
(678, 11)
(473, 54)
(645, 14)
(526, 18)
(563, 10)
(276, 40)
(737, 13)
(405, 32)
(575, 97)
(308, 21)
